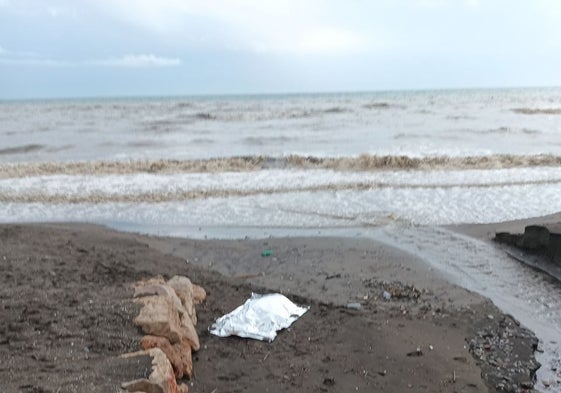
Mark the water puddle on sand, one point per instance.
(530, 296)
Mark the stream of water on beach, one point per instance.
(394, 166)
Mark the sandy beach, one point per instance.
(66, 316)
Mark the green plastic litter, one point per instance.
(267, 253)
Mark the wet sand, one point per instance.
(66, 314)
(488, 231)
(534, 258)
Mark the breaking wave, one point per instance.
(185, 195)
(205, 116)
(202, 141)
(261, 141)
(381, 105)
(264, 115)
(537, 111)
(511, 130)
(336, 109)
(21, 149)
(504, 130)
(364, 162)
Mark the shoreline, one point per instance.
(83, 264)
(487, 231)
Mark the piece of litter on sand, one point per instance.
(417, 352)
(267, 253)
(387, 295)
(353, 306)
(260, 317)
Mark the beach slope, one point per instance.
(66, 315)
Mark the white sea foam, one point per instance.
(287, 198)
(161, 187)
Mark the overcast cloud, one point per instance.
(128, 47)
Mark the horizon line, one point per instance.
(268, 94)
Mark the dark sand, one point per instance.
(66, 314)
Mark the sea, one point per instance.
(399, 167)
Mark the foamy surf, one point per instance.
(363, 162)
(291, 197)
(164, 187)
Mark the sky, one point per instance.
(89, 48)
